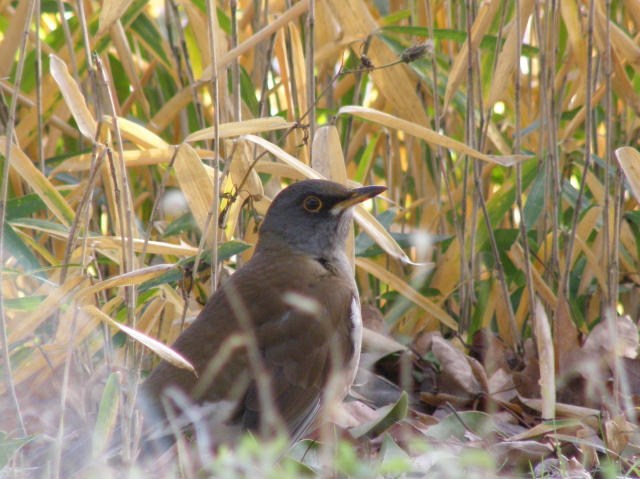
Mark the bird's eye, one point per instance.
(312, 204)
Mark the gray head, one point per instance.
(313, 216)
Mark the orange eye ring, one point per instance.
(312, 204)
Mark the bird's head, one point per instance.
(313, 216)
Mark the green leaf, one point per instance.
(229, 249)
(387, 417)
(392, 459)
(24, 206)
(147, 32)
(50, 6)
(9, 447)
(225, 251)
(306, 456)
(43, 225)
(366, 160)
(179, 225)
(363, 241)
(455, 425)
(20, 251)
(248, 92)
(501, 202)
(633, 216)
(120, 80)
(107, 414)
(24, 305)
(535, 199)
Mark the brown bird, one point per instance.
(269, 339)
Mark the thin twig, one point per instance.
(517, 149)
(6, 358)
(587, 154)
(211, 11)
(235, 64)
(311, 77)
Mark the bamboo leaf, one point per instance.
(73, 97)
(154, 345)
(427, 135)
(43, 188)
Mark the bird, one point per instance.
(268, 340)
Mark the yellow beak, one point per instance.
(358, 195)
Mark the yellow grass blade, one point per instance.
(427, 135)
(247, 127)
(154, 345)
(110, 13)
(73, 97)
(49, 306)
(629, 160)
(138, 276)
(45, 190)
(195, 185)
(407, 291)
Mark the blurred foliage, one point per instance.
(501, 160)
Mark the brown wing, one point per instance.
(298, 348)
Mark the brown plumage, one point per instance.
(295, 303)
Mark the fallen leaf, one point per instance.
(517, 453)
(526, 381)
(387, 416)
(609, 341)
(546, 361)
(501, 386)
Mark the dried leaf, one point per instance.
(519, 452)
(154, 345)
(138, 276)
(613, 338)
(374, 341)
(110, 13)
(195, 185)
(45, 190)
(501, 386)
(629, 160)
(457, 425)
(407, 291)
(52, 303)
(617, 432)
(387, 416)
(428, 135)
(247, 127)
(457, 373)
(73, 97)
(546, 360)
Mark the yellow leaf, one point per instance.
(73, 97)
(138, 276)
(427, 135)
(407, 291)
(165, 352)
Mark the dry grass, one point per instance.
(505, 163)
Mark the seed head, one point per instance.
(417, 51)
